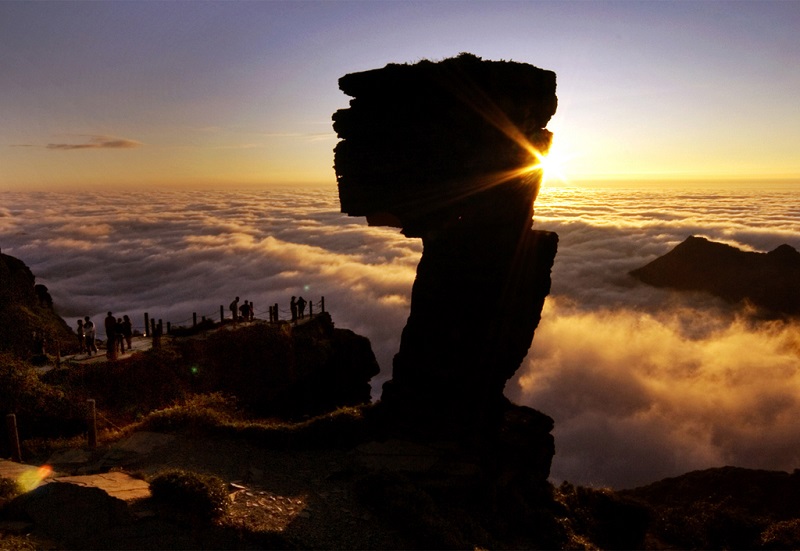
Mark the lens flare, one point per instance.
(30, 479)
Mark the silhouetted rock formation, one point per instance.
(27, 308)
(768, 280)
(443, 150)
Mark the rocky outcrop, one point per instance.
(447, 152)
(767, 280)
(29, 326)
(284, 370)
(723, 508)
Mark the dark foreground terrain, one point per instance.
(325, 484)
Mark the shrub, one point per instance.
(199, 497)
(9, 489)
(200, 413)
(782, 535)
(41, 409)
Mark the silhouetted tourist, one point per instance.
(245, 311)
(81, 337)
(301, 307)
(293, 308)
(235, 309)
(91, 335)
(127, 330)
(111, 336)
(119, 343)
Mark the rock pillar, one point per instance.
(447, 151)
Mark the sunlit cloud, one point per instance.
(98, 142)
(715, 393)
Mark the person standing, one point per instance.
(111, 336)
(91, 335)
(81, 337)
(293, 308)
(127, 330)
(235, 309)
(119, 344)
(301, 307)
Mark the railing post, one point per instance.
(146, 323)
(91, 419)
(169, 328)
(13, 437)
(157, 332)
(276, 313)
(322, 304)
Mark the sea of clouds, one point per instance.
(642, 383)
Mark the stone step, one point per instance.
(116, 484)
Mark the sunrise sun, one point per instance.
(552, 164)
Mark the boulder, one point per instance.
(71, 511)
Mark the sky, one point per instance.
(239, 94)
(642, 383)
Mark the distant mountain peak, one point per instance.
(767, 280)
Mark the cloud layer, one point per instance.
(642, 383)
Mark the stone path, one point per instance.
(138, 344)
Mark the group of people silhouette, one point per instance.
(245, 312)
(298, 308)
(119, 332)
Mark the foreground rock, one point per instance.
(767, 280)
